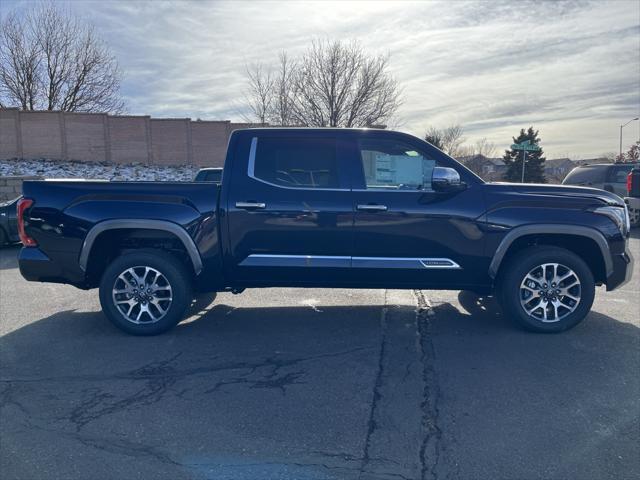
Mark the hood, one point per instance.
(569, 191)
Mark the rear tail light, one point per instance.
(24, 204)
(629, 182)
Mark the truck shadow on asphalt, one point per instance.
(9, 256)
(215, 332)
(73, 376)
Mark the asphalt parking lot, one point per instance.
(316, 384)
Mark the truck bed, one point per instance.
(65, 211)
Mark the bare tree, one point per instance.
(259, 97)
(608, 156)
(332, 84)
(449, 139)
(485, 148)
(482, 147)
(20, 62)
(51, 60)
(283, 92)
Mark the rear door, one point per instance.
(289, 209)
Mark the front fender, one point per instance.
(553, 229)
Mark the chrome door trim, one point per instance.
(252, 158)
(404, 262)
(372, 208)
(331, 261)
(324, 261)
(250, 205)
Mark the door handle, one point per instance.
(372, 208)
(250, 205)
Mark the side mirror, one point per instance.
(444, 179)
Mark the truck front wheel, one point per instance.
(145, 293)
(546, 289)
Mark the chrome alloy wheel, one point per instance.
(142, 295)
(550, 292)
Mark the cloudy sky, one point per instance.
(571, 69)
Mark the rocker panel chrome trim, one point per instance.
(402, 262)
(271, 260)
(264, 260)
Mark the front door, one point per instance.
(290, 213)
(405, 233)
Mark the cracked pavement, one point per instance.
(316, 384)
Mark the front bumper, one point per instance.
(623, 264)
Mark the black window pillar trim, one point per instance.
(552, 229)
(166, 226)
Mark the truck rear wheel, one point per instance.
(546, 289)
(145, 293)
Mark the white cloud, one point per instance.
(572, 69)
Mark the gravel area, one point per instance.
(100, 171)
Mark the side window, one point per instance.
(392, 165)
(296, 162)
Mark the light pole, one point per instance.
(621, 127)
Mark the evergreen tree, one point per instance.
(434, 137)
(534, 166)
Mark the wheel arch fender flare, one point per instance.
(133, 223)
(553, 229)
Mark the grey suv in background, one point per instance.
(611, 177)
(8, 222)
(209, 175)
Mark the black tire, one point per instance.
(511, 291)
(176, 276)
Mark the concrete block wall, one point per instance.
(129, 139)
(85, 137)
(121, 139)
(9, 140)
(11, 187)
(41, 134)
(170, 141)
(209, 142)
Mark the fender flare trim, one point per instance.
(134, 223)
(552, 229)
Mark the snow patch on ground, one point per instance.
(97, 171)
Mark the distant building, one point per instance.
(556, 169)
(489, 169)
(493, 169)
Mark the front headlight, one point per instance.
(619, 216)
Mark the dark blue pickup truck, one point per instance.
(326, 208)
